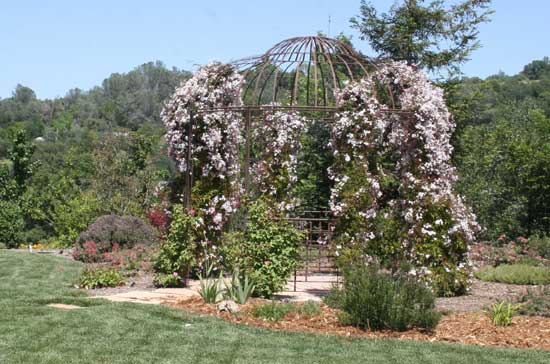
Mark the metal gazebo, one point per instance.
(299, 74)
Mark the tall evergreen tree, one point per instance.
(430, 35)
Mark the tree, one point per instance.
(23, 94)
(431, 36)
(21, 157)
(537, 69)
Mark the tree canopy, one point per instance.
(428, 34)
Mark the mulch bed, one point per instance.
(465, 328)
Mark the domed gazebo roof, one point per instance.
(302, 71)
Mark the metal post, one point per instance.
(247, 163)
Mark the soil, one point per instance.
(141, 281)
(465, 328)
(481, 296)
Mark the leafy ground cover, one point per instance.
(515, 274)
(104, 332)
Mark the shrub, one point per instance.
(126, 231)
(273, 311)
(158, 217)
(515, 274)
(177, 252)
(89, 252)
(501, 314)
(34, 235)
(536, 302)
(541, 244)
(268, 250)
(100, 277)
(173, 280)
(71, 218)
(12, 224)
(310, 308)
(375, 300)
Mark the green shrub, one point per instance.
(375, 300)
(173, 280)
(515, 274)
(310, 308)
(12, 224)
(536, 302)
(70, 218)
(268, 250)
(100, 277)
(501, 314)
(34, 235)
(126, 231)
(273, 311)
(177, 251)
(541, 244)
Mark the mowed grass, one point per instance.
(104, 332)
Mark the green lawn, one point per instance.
(106, 332)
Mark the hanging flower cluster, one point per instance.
(215, 138)
(278, 138)
(393, 178)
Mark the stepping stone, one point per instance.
(62, 306)
(151, 297)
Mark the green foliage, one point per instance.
(124, 177)
(310, 308)
(22, 164)
(240, 289)
(443, 260)
(504, 168)
(100, 277)
(126, 231)
(375, 300)
(34, 235)
(515, 274)
(541, 244)
(536, 302)
(273, 311)
(268, 250)
(211, 289)
(12, 224)
(168, 280)
(32, 280)
(429, 35)
(501, 314)
(73, 217)
(177, 253)
(538, 69)
(313, 187)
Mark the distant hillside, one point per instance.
(127, 100)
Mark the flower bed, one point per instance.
(465, 328)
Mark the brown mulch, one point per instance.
(465, 328)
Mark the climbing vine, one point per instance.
(393, 193)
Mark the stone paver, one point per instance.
(151, 297)
(63, 306)
(316, 287)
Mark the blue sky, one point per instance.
(53, 46)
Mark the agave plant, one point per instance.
(241, 288)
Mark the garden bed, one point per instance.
(465, 328)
